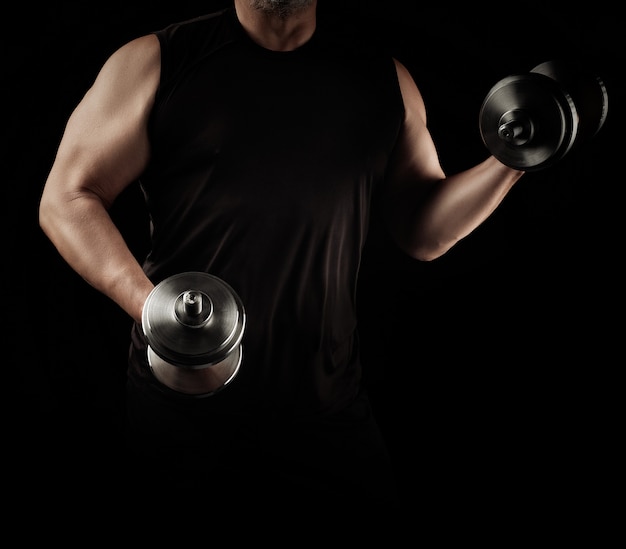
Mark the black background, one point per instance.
(493, 369)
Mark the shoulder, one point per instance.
(199, 31)
(141, 49)
(134, 62)
(183, 43)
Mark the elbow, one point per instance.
(426, 256)
(424, 249)
(44, 213)
(49, 209)
(427, 253)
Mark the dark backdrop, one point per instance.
(496, 362)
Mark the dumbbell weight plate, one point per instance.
(198, 382)
(536, 103)
(194, 323)
(586, 89)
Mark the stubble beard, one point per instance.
(280, 8)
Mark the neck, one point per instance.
(275, 31)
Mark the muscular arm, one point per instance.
(104, 149)
(428, 212)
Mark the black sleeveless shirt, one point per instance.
(263, 168)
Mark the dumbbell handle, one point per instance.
(193, 302)
(515, 132)
(515, 128)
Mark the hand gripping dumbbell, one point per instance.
(530, 121)
(194, 323)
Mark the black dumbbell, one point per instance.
(531, 121)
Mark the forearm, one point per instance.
(454, 207)
(86, 237)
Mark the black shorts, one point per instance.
(180, 449)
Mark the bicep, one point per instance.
(105, 146)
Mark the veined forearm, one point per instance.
(86, 237)
(457, 206)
